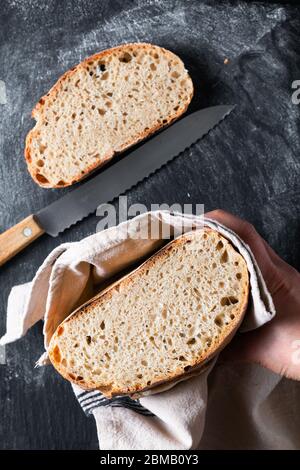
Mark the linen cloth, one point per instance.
(74, 272)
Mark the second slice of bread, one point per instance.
(102, 106)
(159, 322)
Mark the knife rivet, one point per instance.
(27, 232)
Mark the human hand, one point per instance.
(276, 345)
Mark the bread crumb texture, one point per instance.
(101, 107)
(156, 324)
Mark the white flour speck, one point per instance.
(3, 99)
(2, 355)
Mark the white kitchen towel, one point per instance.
(74, 272)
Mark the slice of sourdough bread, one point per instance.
(102, 106)
(169, 316)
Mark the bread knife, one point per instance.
(112, 182)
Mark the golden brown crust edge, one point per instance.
(215, 348)
(56, 89)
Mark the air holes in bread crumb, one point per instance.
(42, 148)
(40, 163)
(102, 66)
(182, 359)
(88, 340)
(41, 178)
(187, 368)
(102, 326)
(104, 76)
(231, 300)
(153, 67)
(191, 341)
(225, 301)
(196, 292)
(224, 257)
(239, 276)
(101, 111)
(56, 354)
(125, 58)
(219, 245)
(175, 74)
(219, 321)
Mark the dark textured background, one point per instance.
(249, 165)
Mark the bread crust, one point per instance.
(51, 95)
(199, 361)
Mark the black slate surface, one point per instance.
(249, 165)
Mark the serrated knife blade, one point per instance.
(113, 181)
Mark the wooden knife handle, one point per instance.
(16, 238)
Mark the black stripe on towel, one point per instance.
(85, 397)
(91, 400)
(86, 392)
